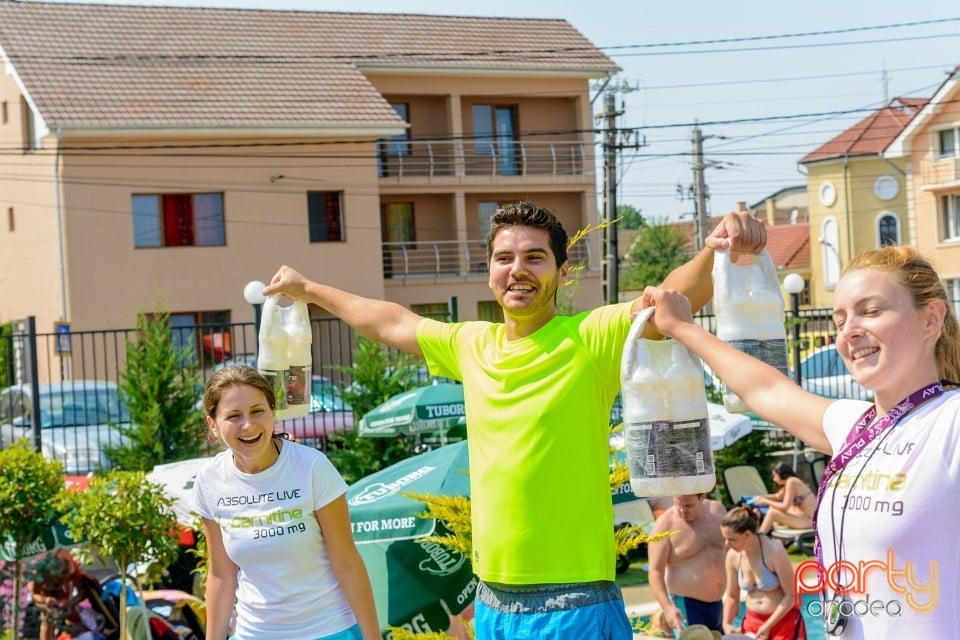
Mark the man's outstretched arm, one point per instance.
(386, 322)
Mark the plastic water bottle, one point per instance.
(644, 411)
(664, 417)
(272, 352)
(296, 324)
(749, 309)
(683, 447)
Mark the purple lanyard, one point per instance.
(859, 438)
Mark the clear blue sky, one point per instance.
(716, 83)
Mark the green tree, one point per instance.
(6, 354)
(657, 250)
(29, 486)
(378, 374)
(125, 519)
(630, 217)
(165, 423)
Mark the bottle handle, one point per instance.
(268, 316)
(633, 342)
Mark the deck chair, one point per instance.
(744, 480)
(817, 467)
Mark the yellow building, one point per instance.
(857, 194)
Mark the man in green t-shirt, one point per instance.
(538, 389)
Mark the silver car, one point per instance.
(78, 419)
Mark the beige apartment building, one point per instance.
(930, 147)
(179, 153)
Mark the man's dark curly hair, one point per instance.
(527, 214)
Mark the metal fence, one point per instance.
(73, 414)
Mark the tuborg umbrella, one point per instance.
(417, 585)
(434, 408)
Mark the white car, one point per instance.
(78, 419)
(824, 373)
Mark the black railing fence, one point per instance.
(78, 373)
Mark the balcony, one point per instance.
(450, 258)
(941, 173)
(477, 159)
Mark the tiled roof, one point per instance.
(871, 135)
(788, 244)
(92, 65)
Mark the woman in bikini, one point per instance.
(792, 505)
(760, 566)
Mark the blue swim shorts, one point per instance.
(592, 610)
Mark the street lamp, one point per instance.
(253, 293)
(793, 283)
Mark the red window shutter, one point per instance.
(178, 220)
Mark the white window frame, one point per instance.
(830, 252)
(948, 217)
(938, 153)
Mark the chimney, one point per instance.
(771, 212)
(741, 206)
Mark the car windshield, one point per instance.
(326, 397)
(823, 364)
(74, 407)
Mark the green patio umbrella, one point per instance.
(417, 584)
(436, 408)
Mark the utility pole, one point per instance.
(614, 140)
(612, 260)
(699, 189)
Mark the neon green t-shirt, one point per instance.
(538, 414)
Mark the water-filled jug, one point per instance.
(665, 419)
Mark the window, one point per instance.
(489, 311)
(436, 310)
(950, 216)
(953, 292)
(485, 211)
(325, 216)
(5, 117)
(11, 226)
(197, 332)
(399, 145)
(178, 220)
(396, 147)
(397, 222)
(947, 142)
(494, 130)
(888, 230)
(830, 252)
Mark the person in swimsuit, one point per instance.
(760, 566)
(686, 568)
(792, 505)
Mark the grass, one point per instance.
(635, 575)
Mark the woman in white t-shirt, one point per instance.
(887, 521)
(277, 527)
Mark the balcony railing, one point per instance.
(458, 159)
(942, 171)
(450, 258)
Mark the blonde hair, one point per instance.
(917, 276)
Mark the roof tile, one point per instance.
(871, 135)
(92, 65)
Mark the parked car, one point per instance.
(824, 373)
(78, 419)
(329, 413)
